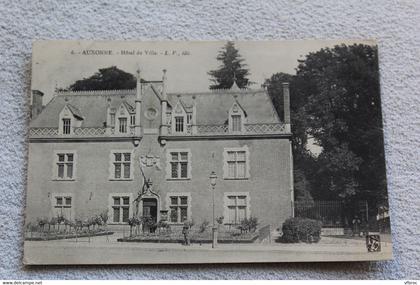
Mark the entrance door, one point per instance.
(150, 208)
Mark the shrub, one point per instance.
(203, 226)
(42, 222)
(252, 224)
(104, 216)
(163, 224)
(133, 222)
(248, 225)
(301, 229)
(219, 220)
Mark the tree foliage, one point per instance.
(335, 99)
(232, 69)
(110, 78)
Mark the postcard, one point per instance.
(205, 152)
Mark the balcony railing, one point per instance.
(90, 132)
(189, 130)
(249, 129)
(265, 128)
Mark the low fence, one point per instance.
(334, 214)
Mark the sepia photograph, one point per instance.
(205, 152)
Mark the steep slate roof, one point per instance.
(91, 104)
(212, 106)
(75, 111)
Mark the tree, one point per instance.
(344, 115)
(336, 95)
(110, 78)
(232, 69)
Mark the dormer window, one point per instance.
(236, 123)
(123, 120)
(179, 118)
(179, 124)
(237, 117)
(112, 123)
(69, 118)
(66, 126)
(122, 125)
(189, 118)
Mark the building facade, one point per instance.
(147, 152)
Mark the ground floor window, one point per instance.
(178, 208)
(62, 206)
(236, 208)
(120, 209)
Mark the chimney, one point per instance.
(164, 127)
(164, 85)
(36, 108)
(286, 102)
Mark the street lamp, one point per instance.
(213, 178)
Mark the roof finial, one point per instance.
(234, 85)
(138, 71)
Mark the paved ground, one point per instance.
(106, 250)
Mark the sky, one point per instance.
(60, 63)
